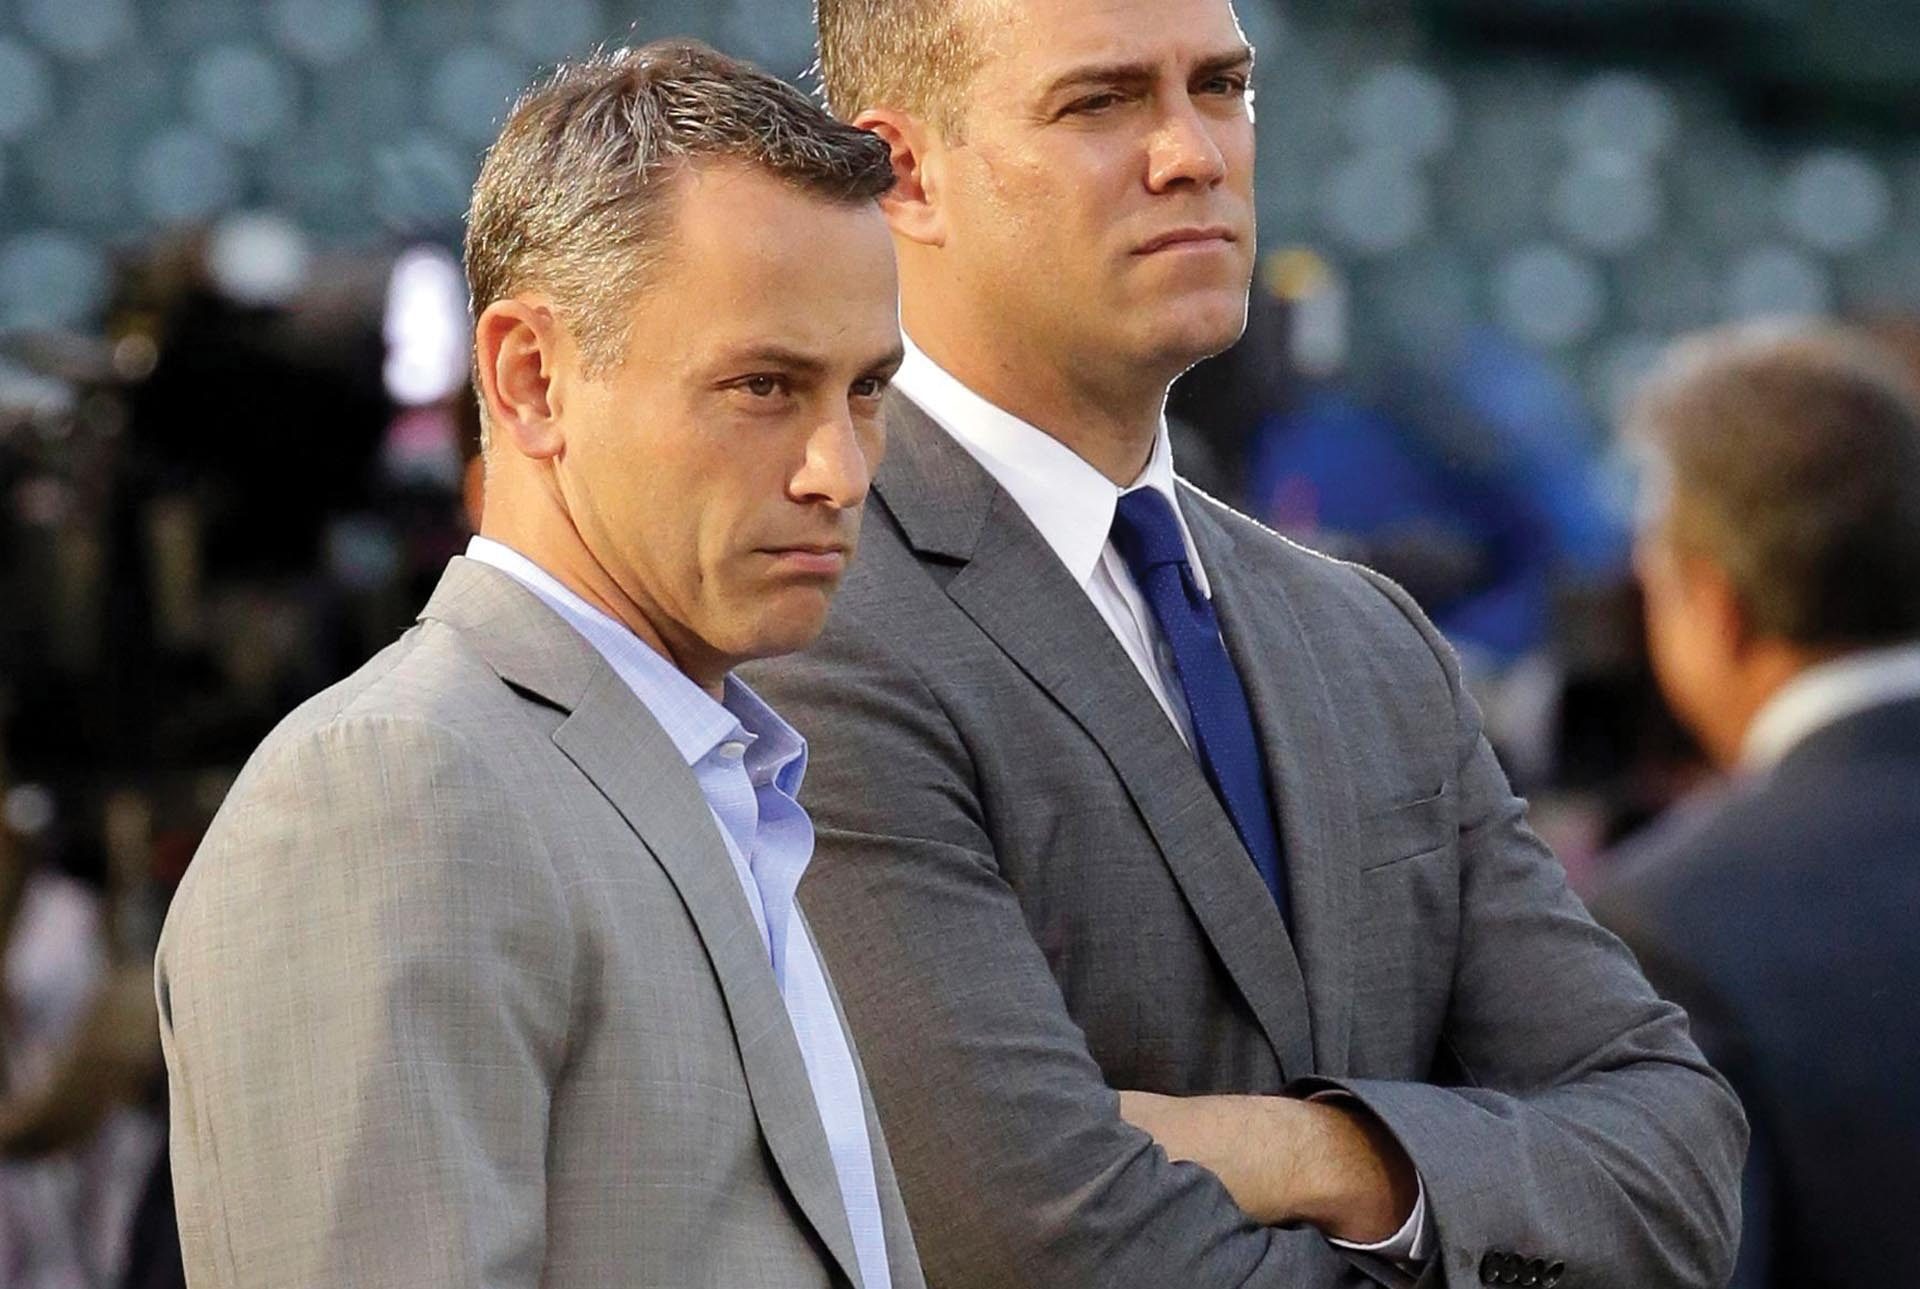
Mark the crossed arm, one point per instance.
(1586, 1126)
(1286, 1161)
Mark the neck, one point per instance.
(1108, 417)
(531, 517)
(1771, 667)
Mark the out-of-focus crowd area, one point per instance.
(236, 446)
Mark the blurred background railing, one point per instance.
(235, 445)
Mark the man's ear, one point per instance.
(913, 205)
(516, 345)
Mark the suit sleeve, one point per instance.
(364, 991)
(1588, 1132)
(1016, 1167)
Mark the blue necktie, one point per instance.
(1148, 538)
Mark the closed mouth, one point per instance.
(1185, 236)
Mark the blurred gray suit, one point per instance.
(462, 989)
(1030, 895)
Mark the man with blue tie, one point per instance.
(1147, 839)
(489, 972)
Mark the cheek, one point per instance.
(736, 505)
(1661, 615)
(1236, 144)
(1678, 650)
(1664, 648)
(1027, 202)
(873, 444)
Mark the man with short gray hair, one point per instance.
(1780, 558)
(489, 972)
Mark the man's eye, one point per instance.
(1094, 103)
(1231, 86)
(762, 386)
(871, 387)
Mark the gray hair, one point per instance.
(572, 198)
(1793, 460)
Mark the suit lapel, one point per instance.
(616, 742)
(1018, 593)
(1294, 713)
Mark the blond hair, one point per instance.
(916, 56)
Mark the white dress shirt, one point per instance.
(1824, 694)
(1072, 505)
(748, 763)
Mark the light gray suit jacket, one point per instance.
(1030, 895)
(462, 990)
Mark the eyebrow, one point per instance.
(806, 364)
(889, 362)
(1137, 73)
(776, 356)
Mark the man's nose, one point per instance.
(836, 469)
(1183, 151)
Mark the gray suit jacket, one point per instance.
(1030, 895)
(461, 989)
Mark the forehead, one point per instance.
(1041, 37)
(748, 251)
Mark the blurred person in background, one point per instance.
(1781, 563)
(489, 972)
(79, 1070)
(1122, 795)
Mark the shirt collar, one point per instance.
(1830, 692)
(696, 723)
(1069, 502)
(776, 753)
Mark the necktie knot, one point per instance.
(1146, 532)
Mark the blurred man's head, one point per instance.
(1076, 190)
(686, 318)
(1784, 528)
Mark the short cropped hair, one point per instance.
(915, 56)
(1793, 459)
(574, 197)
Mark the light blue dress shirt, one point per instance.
(749, 764)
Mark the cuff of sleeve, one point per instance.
(1413, 1241)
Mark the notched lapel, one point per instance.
(616, 742)
(1019, 594)
(526, 643)
(618, 745)
(1313, 794)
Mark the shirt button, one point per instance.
(732, 750)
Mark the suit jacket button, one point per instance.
(1534, 1273)
(1490, 1267)
(1553, 1275)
